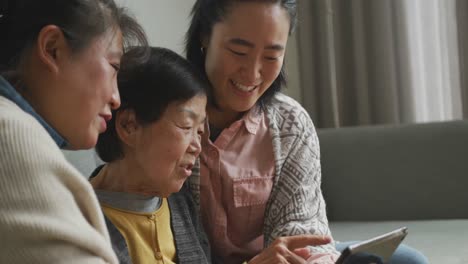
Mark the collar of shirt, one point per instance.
(133, 202)
(7, 91)
(252, 119)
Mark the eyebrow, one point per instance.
(243, 42)
(192, 114)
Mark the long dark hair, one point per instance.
(80, 21)
(206, 13)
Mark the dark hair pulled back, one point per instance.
(80, 20)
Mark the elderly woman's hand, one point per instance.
(289, 249)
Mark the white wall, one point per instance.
(166, 21)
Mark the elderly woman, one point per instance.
(58, 83)
(150, 148)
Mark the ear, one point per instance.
(51, 47)
(127, 127)
(205, 41)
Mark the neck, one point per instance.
(222, 119)
(122, 176)
(13, 77)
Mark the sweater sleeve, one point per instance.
(48, 211)
(296, 204)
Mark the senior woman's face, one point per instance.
(245, 53)
(167, 149)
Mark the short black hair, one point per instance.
(206, 13)
(80, 21)
(148, 88)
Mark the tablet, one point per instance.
(377, 250)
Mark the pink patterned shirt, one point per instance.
(238, 171)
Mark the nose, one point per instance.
(252, 70)
(115, 97)
(195, 146)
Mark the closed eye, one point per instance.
(185, 128)
(271, 58)
(237, 52)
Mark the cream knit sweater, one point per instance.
(48, 210)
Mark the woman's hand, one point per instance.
(289, 249)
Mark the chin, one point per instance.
(243, 108)
(178, 186)
(88, 142)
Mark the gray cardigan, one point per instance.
(191, 242)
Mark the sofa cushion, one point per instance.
(404, 172)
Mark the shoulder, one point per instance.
(282, 101)
(29, 148)
(11, 114)
(10, 111)
(46, 197)
(19, 130)
(285, 113)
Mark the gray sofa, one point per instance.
(378, 178)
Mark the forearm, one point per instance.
(297, 205)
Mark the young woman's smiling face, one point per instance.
(245, 53)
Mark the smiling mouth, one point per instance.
(244, 88)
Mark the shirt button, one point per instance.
(151, 217)
(158, 256)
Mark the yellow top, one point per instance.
(148, 235)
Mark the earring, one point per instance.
(202, 49)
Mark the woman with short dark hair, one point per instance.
(150, 148)
(58, 84)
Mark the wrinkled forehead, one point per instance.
(194, 108)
